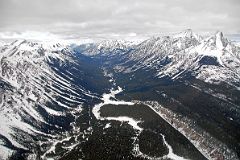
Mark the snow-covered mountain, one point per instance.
(213, 59)
(48, 89)
(105, 47)
(38, 100)
(194, 71)
(2, 43)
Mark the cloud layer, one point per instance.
(71, 19)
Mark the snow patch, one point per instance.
(107, 99)
(5, 152)
(129, 120)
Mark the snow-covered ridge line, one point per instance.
(30, 82)
(213, 59)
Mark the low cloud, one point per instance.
(29, 35)
(80, 19)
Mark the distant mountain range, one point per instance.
(213, 59)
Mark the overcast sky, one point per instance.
(72, 19)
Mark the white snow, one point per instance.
(202, 50)
(9, 121)
(26, 47)
(129, 120)
(170, 154)
(178, 129)
(108, 125)
(53, 146)
(53, 112)
(107, 100)
(5, 152)
(219, 43)
(134, 123)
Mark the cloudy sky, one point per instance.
(72, 19)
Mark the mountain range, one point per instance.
(48, 92)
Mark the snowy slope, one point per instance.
(105, 47)
(31, 88)
(2, 43)
(42, 85)
(213, 59)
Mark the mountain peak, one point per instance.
(18, 42)
(188, 33)
(219, 34)
(221, 42)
